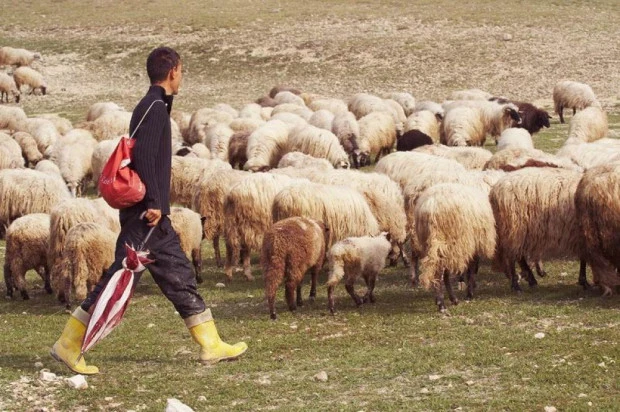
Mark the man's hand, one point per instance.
(153, 216)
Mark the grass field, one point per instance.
(398, 354)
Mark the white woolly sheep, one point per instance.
(226, 108)
(398, 114)
(455, 227)
(97, 109)
(512, 159)
(42, 130)
(347, 130)
(377, 136)
(247, 216)
(26, 76)
(63, 125)
(188, 226)
(11, 117)
(336, 106)
(588, 125)
(573, 95)
(208, 201)
(406, 101)
(246, 124)
(467, 122)
(29, 148)
(217, 137)
(186, 173)
(291, 247)
(250, 111)
(598, 208)
(202, 119)
(88, 252)
(362, 104)
(26, 191)
(10, 153)
(26, 248)
(8, 88)
(588, 155)
(433, 107)
(354, 257)
(301, 111)
(266, 146)
(75, 162)
(10, 56)
(343, 210)
(110, 125)
(402, 166)
(469, 94)
(291, 120)
(322, 119)
(534, 210)
(318, 143)
(469, 157)
(285, 97)
(301, 160)
(425, 121)
(515, 138)
(182, 120)
(50, 168)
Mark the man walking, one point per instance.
(171, 270)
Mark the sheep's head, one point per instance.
(342, 164)
(513, 112)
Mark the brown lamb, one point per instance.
(290, 248)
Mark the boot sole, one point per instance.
(59, 359)
(227, 359)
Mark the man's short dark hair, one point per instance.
(160, 62)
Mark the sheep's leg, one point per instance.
(583, 280)
(247, 268)
(315, 275)
(574, 110)
(438, 286)
(197, 262)
(415, 269)
(403, 256)
(300, 301)
(48, 285)
(512, 274)
(529, 275)
(19, 281)
(370, 283)
(472, 270)
(8, 280)
(540, 271)
(290, 295)
(351, 290)
(561, 113)
(232, 255)
(216, 251)
(330, 299)
(448, 284)
(271, 303)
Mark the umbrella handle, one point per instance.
(146, 239)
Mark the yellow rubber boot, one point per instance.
(213, 350)
(67, 347)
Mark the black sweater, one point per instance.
(152, 152)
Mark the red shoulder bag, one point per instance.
(119, 185)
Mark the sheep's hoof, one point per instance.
(249, 278)
(273, 316)
(199, 279)
(469, 297)
(585, 285)
(25, 295)
(542, 274)
(455, 301)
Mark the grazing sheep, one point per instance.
(322, 119)
(285, 96)
(226, 108)
(29, 148)
(42, 130)
(8, 87)
(208, 201)
(362, 104)
(188, 225)
(282, 88)
(11, 117)
(201, 151)
(433, 107)
(336, 106)
(26, 248)
(402, 166)
(251, 111)
(217, 138)
(588, 125)
(10, 153)
(186, 173)
(246, 124)
(97, 109)
(238, 149)
(50, 168)
(470, 94)
(88, 252)
(512, 159)
(301, 111)
(343, 210)
(469, 157)
(598, 207)
(109, 125)
(10, 56)
(347, 130)
(266, 146)
(101, 154)
(63, 125)
(26, 76)
(426, 122)
(412, 139)
(74, 159)
(64, 216)
(266, 101)
(588, 155)
(532, 118)
(468, 122)
(28, 191)
(291, 247)
(291, 120)
(201, 120)
(405, 100)
(247, 216)
(318, 143)
(534, 210)
(182, 119)
(355, 256)
(455, 226)
(514, 138)
(301, 160)
(377, 136)
(573, 95)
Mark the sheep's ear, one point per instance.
(549, 116)
(203, 218)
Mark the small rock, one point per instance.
(563, 274)
(175, 405)
(38, 365)
(77, 382)
(582, 395)
(507, 37)
(264, 380)
(539, 335)
(589, 403)
(321, 376)
(602, 365)
(108, 399)
(202, 398)
(220, 285)
(24, 313)
(434, 377)
(550, 409)
(469, 383)
(46, 375)
(150, 325)
(424, 390)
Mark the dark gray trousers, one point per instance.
(172, 271)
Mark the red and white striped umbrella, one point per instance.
(114, 298)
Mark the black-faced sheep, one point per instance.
(292, 247)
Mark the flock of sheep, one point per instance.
(277, 177)
(11, 82)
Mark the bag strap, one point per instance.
(147, 112)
